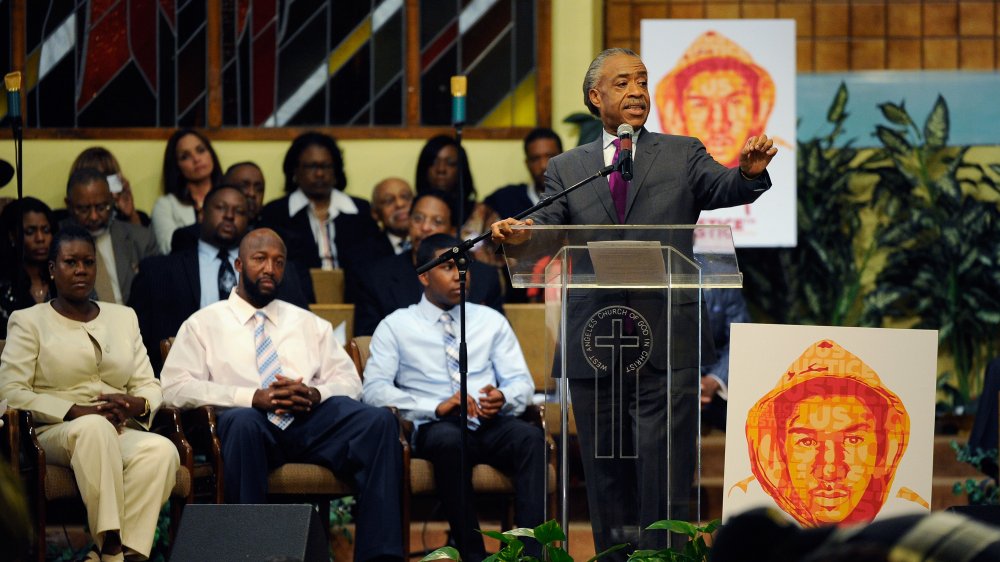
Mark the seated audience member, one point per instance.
(414, 367)
(391, 201)
(24, 264)
(190, 170)
(540, 145)
(103, 161)
(322, 226)
(245, 176)
(441, 162)
(171, 288)
(120, 245)
(286, 392)
(80, 367)
(391, 282)
(725, 307)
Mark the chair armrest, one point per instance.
(532, 414)
(32, 455)
(167, 423)
(201, 426)
(10, 436)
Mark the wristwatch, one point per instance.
(145, 408)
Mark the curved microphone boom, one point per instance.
(624, 164)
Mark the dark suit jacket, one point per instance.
(351, 233)
(168, 290)
(510, 200)
(674, 180)
(131, 244)
(391, 284)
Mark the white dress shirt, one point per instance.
(609, 146)
(408, 367)
(324, 232)
(213, 360)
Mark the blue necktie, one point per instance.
(451, 355)
(268, 365)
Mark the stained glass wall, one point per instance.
(279, 63)
(313, 62)
(493, 43)
(115, 63)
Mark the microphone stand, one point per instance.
(460, 256)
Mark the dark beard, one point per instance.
(257, 297)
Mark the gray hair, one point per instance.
(594, 74)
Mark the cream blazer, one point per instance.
(51, 362)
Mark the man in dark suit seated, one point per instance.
(171, 288)
(391, 202)
(120, 245)
(245, 176)
(391, 283)
(540, 145)
(322, 226)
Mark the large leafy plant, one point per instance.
(819, 281)
(942, 241)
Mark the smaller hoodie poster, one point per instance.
(831, 425)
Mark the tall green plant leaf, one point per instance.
(936, 127)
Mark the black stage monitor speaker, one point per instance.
(262, 533)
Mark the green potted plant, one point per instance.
(551, 536)
(942, 242)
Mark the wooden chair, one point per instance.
(486, 480)
(337, 314)
(50, 486)
(310, 483)
(328, 285)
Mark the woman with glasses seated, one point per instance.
(322, 226)
(80, 367)
(190, 170)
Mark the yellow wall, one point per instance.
(576, 37)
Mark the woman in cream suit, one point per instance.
(80, 367)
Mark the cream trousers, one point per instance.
(123, 478)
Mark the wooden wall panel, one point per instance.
(845, 35)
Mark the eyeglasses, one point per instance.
(85, 210)
(314, 167)
(438, 221)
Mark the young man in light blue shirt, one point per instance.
(413, 366)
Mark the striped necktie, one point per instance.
(268, 366)
(451, 356)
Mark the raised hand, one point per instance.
(755, 155)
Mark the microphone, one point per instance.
(13, 83)
(459, 86)
(624, 163)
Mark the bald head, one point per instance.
(391, 201)
(261, 264)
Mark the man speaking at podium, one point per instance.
(673, 178)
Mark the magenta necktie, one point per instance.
(619, 187)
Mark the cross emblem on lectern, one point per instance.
(617, 342)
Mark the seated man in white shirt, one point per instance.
(414, 367)
(287, 392)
